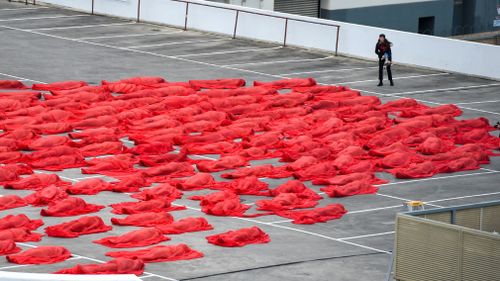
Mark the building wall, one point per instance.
(343, 4)
(259, 4)
(475, 16)
(401, 16)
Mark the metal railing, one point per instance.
(237, 16)
(237, 13)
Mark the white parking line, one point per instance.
(328, 70)
(448, 89)
(478, 102)
(367, 235)
(230, 52)
(464, 197)
(81, 26)
(404, 199)
(44, 18)
(177, 43)
(437, 178)
(397, 78)
(277, 61)
(129, 35)
(19, 77)
(18, 9)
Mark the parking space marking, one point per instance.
(277, 61)
(82, 26)
(128, 35)
(229, 52)
(367, 235)
(177, 43)
(396, 78)
(44, 18)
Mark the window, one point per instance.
(426, 25)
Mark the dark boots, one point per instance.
(382, 84)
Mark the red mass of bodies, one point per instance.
(330, 135)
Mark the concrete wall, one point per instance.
(354, 40)
(351, 4)
(402, 16)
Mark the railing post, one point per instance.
(138, 11)
(337, 41)
(92, 7)
(286, 31)
(26, 2)
(236, 23)
(186, 17)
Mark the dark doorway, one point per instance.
(426, 25)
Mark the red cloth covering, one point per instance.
(222, 203)
(102, 148)
(297, 187)
(89, 187)
(345, 179)
(71, 206)
(416, 170)
(135, 238)
(218, 83)
(350, 189)
(20, 235)
(170, 170)
(46, 195)
(185, 225)
(8, 247)
(19, 221)
(11, 201)
(285, 201)
(130, 183)
(249, 186)
(122, 164)
(198, 181)
(287, 83)
(59, 86)
(144, 219)
(142, 80)
(116, 266)
(155, 205)
(48, 141)
(159, 253)
(163, 191)
(323, 214)
(41, 255)
(75, 228)
(267, 171)
(240, 237)
(11, 172)
(224, 163)
(12, 84)
(37, 181)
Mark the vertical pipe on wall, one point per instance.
(236, 23)
(337, 41)
(138, 11)
(186, 17)
(286, 31)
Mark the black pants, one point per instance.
(381, 70)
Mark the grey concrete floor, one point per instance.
(47, 44)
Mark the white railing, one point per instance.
(338, 37)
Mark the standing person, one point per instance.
(384, 52)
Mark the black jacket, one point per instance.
(379, 51)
